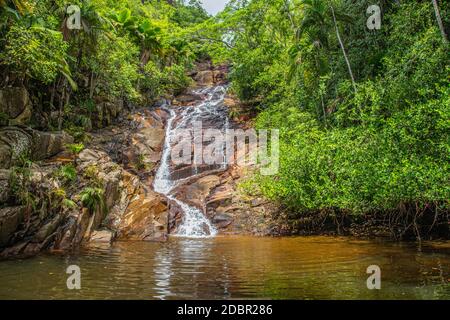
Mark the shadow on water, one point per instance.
(236, 267)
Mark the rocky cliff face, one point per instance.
(41, 208)
(19, 143)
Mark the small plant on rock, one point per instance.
(67, 173)
(92, 198)
(75, 148)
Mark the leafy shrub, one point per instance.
(75, 148)
(35, 52)
(67, 173)
(92, 198)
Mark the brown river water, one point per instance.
(236, 268)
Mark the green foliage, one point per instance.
(171, 79)
(69, 204)
(67, 173)
(376, 149)
(188, 15)
(92, 174)
(126, 51)
(75, 148)
(19, 187)
(92, 198)
(34, 52)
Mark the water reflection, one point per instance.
(236, 267)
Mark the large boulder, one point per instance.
(17, 143)
(10, 219)
(48, 144)
(146, 218)
(15, 106)
(146, 143)
(196, 193)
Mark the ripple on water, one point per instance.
(235, 267)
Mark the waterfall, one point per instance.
(209, 110)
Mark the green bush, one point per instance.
(92, 199)
(67, 173)
(34, 52)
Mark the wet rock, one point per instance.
(187, 99)
(50, 227)
(144, 145)
(221, 196)
(175, 217)
(146, 218)
(65, 242)
(222, 220)
(15, 106)
(147, 144)
(104, 236)
(204, 78)
(220, 74)
(196, 192)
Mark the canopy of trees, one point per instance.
(131, 50)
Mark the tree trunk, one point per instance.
(61, 107)
(439, 21)
(92, 85)
(323, 109)
(343, 50)
(288, 12)
(52, 95)
(62, 104)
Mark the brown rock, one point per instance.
(146, 218)
(10, 219)
(187, 99)
(15, 105)
(205, 78)
(222, 220)
(104, 236)
(197, 192)
(18, 142)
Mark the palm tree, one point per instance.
(343, 48)
(22, 6)
(317, 24)
(439, 21)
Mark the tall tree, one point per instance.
(439, 21)
(350, 71)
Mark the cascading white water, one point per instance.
(194, 223)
